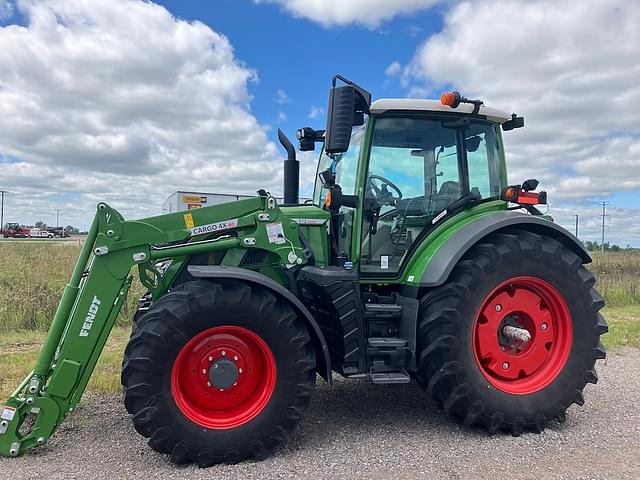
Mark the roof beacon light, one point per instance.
(454, 99)
(451, 99)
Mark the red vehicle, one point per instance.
(14, 230)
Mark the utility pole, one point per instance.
(604, 216)
(577, 215)
(2, 192)
(57, 219)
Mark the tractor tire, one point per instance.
(481, 376)
(218, 372)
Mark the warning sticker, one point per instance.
(191, 206)
(188, 220)
(8, 413)
(214, 227)
(384, 262)
(275, 233)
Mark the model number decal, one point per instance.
(310, 221)
(215, 227)
(91, 316)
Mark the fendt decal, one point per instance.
(214, 227)
(91, 315)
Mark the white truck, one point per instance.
(41, 233)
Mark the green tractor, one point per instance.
(414, 260)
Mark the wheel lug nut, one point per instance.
(239, 370)
(235, 357)
(204, 370)
(235, 384)
(223, 353)
(211, 359)
(222, 389)
(208, 384)
(544, 326)
(498, 308)
(505, 366)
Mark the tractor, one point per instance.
(416, 260)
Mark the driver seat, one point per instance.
(449, 192)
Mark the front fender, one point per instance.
(436, 271)
(215, 271)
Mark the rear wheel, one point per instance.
(218, 372)
(510, 341)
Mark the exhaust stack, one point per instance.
(291, 171)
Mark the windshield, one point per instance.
(415, 173)
(344, 165)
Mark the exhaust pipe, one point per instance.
(291, 171)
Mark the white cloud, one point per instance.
(316, 112)
(570, 67)
(6, 9)
(282, 117)
(119, 101)
(369, 13)
(394, 69)
(282, 97)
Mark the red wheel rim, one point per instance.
(530, 304)
(237, 395)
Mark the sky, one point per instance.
(126, 101)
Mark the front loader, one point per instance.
(415, 260)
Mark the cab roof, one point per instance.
(390, 104)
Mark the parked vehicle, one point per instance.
(15, 230)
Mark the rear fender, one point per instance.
(449, 254)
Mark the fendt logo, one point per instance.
(91, 315)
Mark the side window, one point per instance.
(483, 160)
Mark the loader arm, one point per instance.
(98, 288)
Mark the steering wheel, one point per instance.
(381, 192)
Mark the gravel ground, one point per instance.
(359, 430)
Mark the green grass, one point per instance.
(32, 277)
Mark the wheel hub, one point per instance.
(223, 374)
(223, 377)
(522, 335)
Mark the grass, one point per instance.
(32, 276)
(19, 350)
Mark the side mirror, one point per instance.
(340, 119)
(347, 106)
(515, 122)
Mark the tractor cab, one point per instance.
(405, 167)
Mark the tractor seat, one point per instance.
(449, 193)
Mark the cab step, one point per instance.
(386, 342)
(388, 378)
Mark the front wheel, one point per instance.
(510, 341)
(218, 372)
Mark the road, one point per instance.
(359, 430)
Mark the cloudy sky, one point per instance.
(126, 101)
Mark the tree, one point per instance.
(40, 224)
(71, 230)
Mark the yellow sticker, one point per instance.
(188, 220)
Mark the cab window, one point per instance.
(414, 174)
